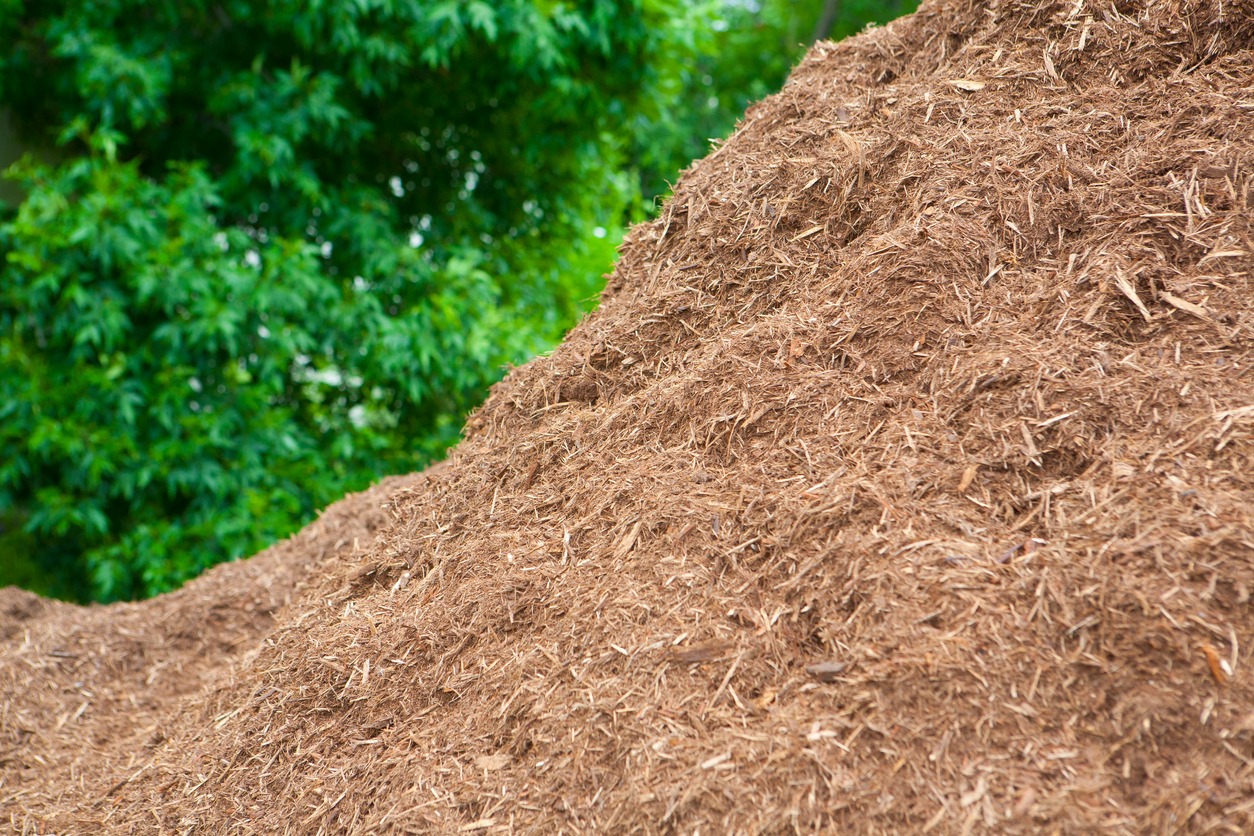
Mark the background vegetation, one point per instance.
(259, 253)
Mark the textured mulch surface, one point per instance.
(903, 482)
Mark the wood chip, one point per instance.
(826, 671)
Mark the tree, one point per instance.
(289, 246)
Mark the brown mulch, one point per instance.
(84, 690)
(903, 482)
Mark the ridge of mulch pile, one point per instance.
(903, 482)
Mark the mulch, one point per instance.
(902, 482)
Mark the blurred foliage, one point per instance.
(275, 249)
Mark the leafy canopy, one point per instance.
(289, 246)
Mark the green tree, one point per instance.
(289, 246)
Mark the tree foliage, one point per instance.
(283, 246)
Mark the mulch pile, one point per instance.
(903, 482)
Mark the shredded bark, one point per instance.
(903, 482)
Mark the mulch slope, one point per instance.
(902, 483)
(86, 690)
